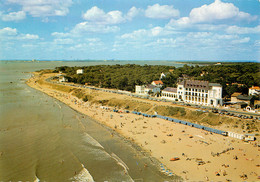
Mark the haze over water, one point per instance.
(43, 139)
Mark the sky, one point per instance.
(212, 30)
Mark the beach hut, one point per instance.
(198, 126)
(178, 121)
(182, 122)
(189, 124)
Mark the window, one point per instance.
(180, 88)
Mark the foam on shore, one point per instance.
(83, 175)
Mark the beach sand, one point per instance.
(196, 149)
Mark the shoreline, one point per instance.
(163, 140)
(157, 164)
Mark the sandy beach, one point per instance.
(202, 156)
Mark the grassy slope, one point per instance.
(151, 107)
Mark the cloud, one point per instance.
(28, 37)
(143, 33)
(89, 46)
(60, 34)
(241, 41)
(43, 8)
(133, 12)
(217, 11)
(135, 34)
(88, 27)
(84, 28)
(243, 30)
(98, 16)
(202, 18)
(7, 31)
(13, 16)
(63, 41)
(161, 12)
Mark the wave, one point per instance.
(36, 180)
(120, 162)
(83, 175)
(92, 141)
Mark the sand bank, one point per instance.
(202, 156)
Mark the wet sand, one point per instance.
(203, 156)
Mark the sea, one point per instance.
(42, 139)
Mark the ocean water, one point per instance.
(42, 139)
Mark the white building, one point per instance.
(80, 71)
(62, 79)
(197, 92)
(157, 83)
(215, 94)
(254, 90)
(139, 89)
(151, 88)
(170, 93)
(146, 89)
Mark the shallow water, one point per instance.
(43, 139)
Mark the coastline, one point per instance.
(164, 140)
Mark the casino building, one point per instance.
(195, 92)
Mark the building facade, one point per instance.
(196, 92)
(157, 83)
(139, 89)
(63, 79)
(154, 87)
(169, 93)
(254, 90)
(80, 71)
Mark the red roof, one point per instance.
(255, 88)
(158, 82)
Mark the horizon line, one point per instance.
(115, 60)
